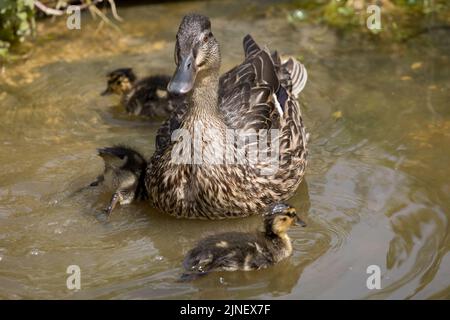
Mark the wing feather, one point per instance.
(247, 91)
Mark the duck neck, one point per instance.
(205, 97)
(280, 244)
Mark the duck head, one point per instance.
(196, 53)
(120, 81)
(280, 218)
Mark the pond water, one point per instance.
(376, 190)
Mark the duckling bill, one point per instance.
(234, 251)
(146, 97)
(123, 175)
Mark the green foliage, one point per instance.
(338, 14)
(400, 19)
(16, 22)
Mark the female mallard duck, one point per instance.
(260, 94)
(233, 251)
(146, 97)
(123, 175)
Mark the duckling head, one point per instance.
(197, 53)
(120, 81)
(280, 218)
(123, 166)
(122, 158)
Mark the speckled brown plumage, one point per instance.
(246, 97)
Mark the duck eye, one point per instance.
(205, 39)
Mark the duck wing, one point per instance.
(254, 94)
(262, 93)
(246, 92)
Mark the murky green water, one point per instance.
(376, 192)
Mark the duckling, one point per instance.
(244, 251)
(146, 97)
(123, 175)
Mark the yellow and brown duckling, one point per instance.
(145, 97)
(123, 175)
(234, 251)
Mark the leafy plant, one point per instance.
(401, 19)
(16, 22)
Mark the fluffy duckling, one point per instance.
(147, 97)
(123, 175)
(244, 251)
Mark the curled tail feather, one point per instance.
(298, 74)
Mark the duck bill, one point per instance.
(300, 222)
(183, 80)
